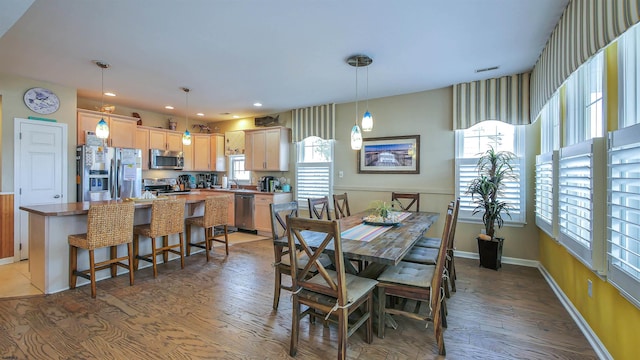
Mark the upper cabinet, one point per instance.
(267, 149)
(207, 152)
(122, 129)
(165, 139)
(142, 142)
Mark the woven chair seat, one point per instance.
(215, 215)
(406, 273)
(422, 255)
(429, 242)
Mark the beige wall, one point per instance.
(12, 89)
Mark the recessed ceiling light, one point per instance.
(487, 69)
(236, 116)
(200, 114)
(109, 94)
(257, 104)
(169, 107)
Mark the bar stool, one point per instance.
(107, 225)
(167, 217)
(215, 214)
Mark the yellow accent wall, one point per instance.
(612, 317)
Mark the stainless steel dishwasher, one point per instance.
(244, 212)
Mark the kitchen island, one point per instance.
(50, 225)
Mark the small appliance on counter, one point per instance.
(161, 186)
(268, 184)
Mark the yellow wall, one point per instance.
(613, 318)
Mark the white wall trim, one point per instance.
(591, 336)
(505, 259)
(6, 261)
(421, 190)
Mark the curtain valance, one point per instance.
(505, 99)
(314, 121)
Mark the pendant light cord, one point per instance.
(367, 88)
(357, 92)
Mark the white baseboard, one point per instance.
(6, 261)
(593, 339)
(505, 259)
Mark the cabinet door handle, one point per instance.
(56, 196)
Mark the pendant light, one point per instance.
(186, 137)
(102, 129)
(367, 119)
(356, 134)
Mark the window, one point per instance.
(546, 170)
(470, 143)
(629, 78)
(314, 169)
(580, 198)
(550, 125)
(623, 213)
(585, 116)
(237, 171)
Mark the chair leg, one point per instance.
(343, 330)
(92, 273)
(135, 251)
(153, 257)
(208, 241)
(114, 254)
(276, 287)
(226, 239)
(295, 325)
(188, 230)
(165, 252)
(382, 298)
(130, 255)
(452, 274)
(181, 237)
(369, 336)
(73, 266)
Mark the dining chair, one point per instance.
(108, 225)
(427, 255)
(215, 215)
(167, 218)
(318, 207)
(407, 200)
(341, 205)
(419, 282)
(431, 242)
(282, 264)
(331, 292)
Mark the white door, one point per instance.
(40, 171)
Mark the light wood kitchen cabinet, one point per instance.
(262, 214)
(208, 152)
(187, 153)
(121, 128)
(142, 143)
(218, 160)
(267, 150)
(165, 139)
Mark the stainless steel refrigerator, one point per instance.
(105, 173)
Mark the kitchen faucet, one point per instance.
(233, 181)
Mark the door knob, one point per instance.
(56, 197)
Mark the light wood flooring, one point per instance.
(222, 310)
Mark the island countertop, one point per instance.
(82, 208)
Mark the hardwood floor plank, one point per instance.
(222, 310)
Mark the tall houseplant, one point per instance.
(487, 190)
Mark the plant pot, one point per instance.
(490, 252)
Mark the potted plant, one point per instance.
(494, 168)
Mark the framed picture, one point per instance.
(390, 155)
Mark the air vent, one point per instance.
(487, 69)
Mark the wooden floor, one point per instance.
(222, 310)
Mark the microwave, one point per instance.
(165, 159)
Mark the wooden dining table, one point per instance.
(385, 249)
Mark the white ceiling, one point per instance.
(283, 53)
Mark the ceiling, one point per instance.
(285, 54)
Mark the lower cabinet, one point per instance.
(262, 214)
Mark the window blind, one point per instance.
(545, 167)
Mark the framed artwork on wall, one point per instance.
(390, 155)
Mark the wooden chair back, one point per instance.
(167, 217)
(216, 210)
(454, 222)
(109, 224)
(411, 199)
(341, 205)
(330, 231)
(437, 291)
(279, 213)
(318, 207)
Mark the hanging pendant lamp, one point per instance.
(356, 135)
(102, 129)
(186, 137)
(367, 119)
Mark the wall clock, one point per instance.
(41, 100)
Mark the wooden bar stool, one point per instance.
(215, 214)
(167, 217)
(107, 225)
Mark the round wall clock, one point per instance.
(41, 100)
